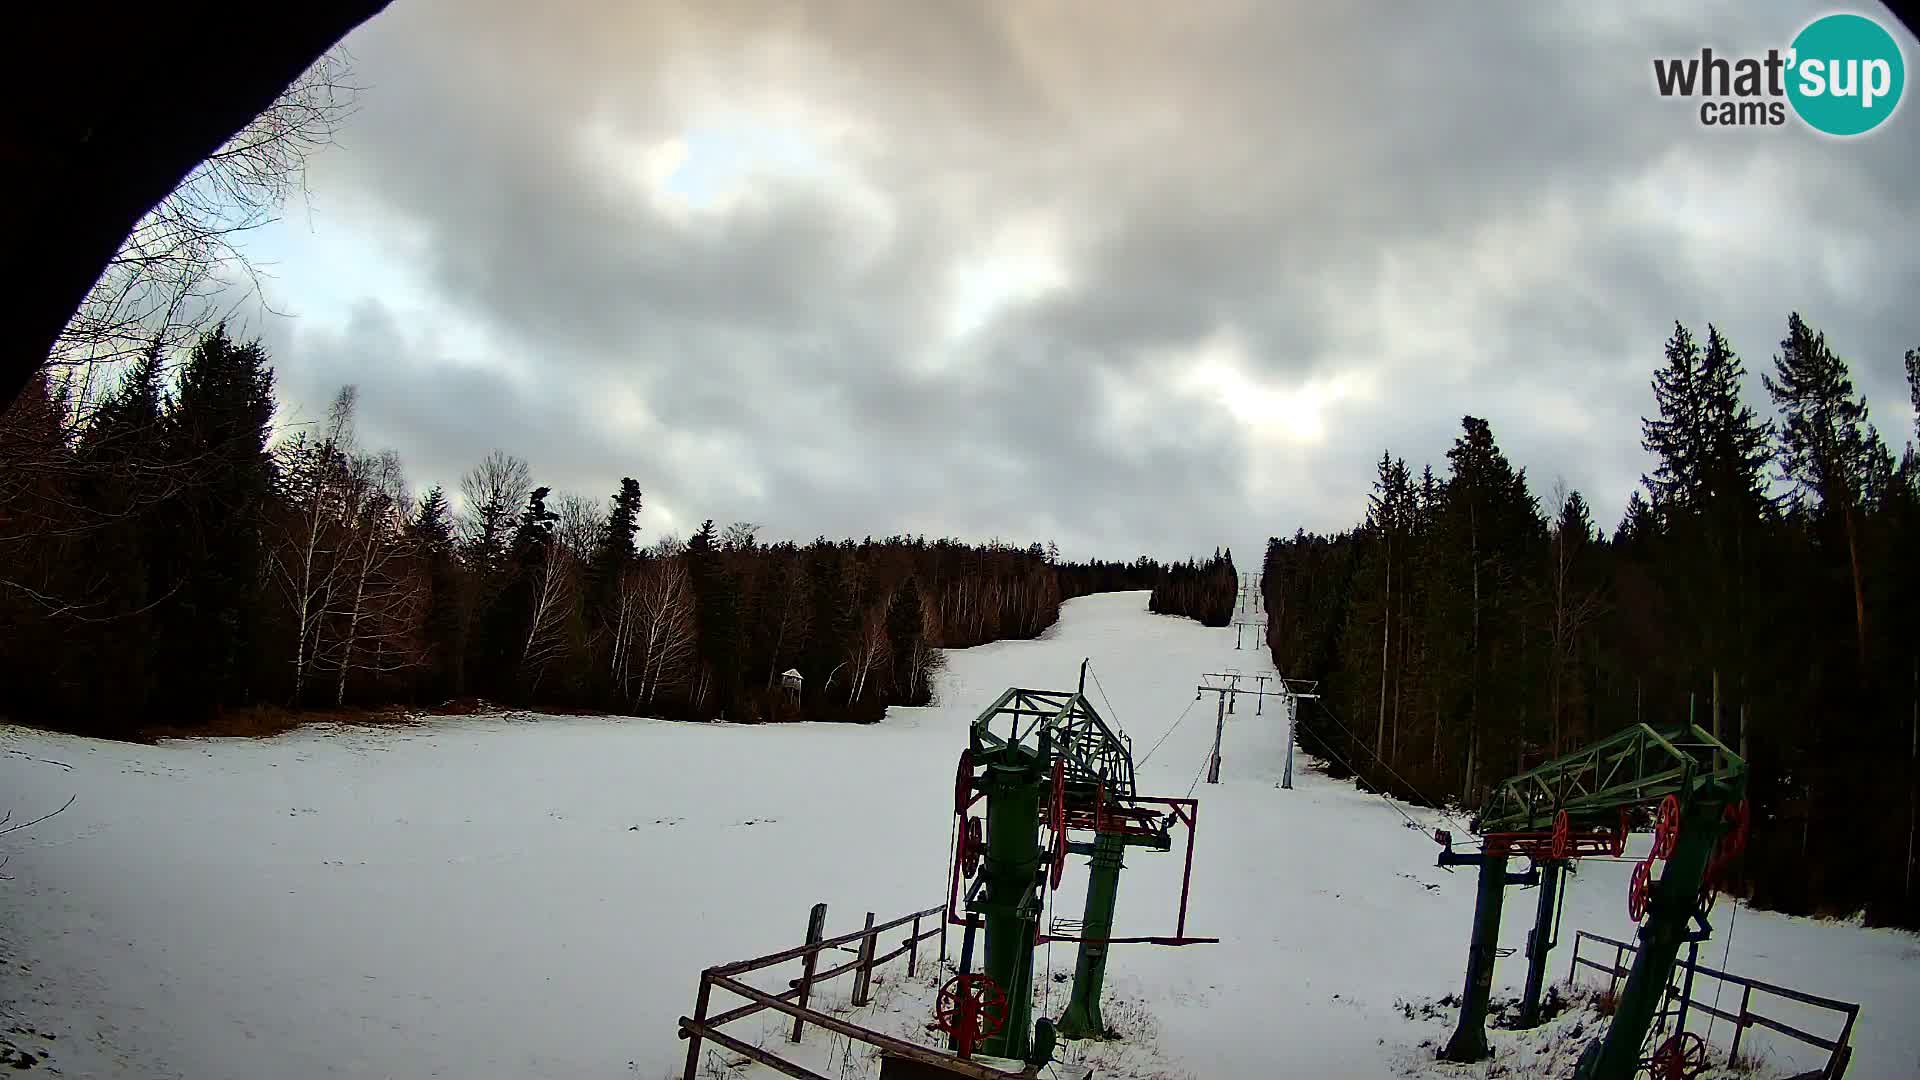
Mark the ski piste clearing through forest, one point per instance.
(536, 895)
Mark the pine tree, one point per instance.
(1675, 437)
(716, 612)
(444, 625)
(1389, 519)
(1825, 446)
(616, 548)
(609, 609)
(1638, 526)
(214, 436)
(1710, 492)
(122, 483)
(1493, 525)
(1736, 444)
(831, 621)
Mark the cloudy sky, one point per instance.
(1137, 277)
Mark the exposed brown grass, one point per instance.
(266, 721)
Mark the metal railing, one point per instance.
(1839, 1050)
(793, 1002)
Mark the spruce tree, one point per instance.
(444, 625)
(1638, 526)
(1736, 444)
(122, 481)
(1825, 446)
(716, 613)
(830, 620)
(1493, 527)
(616, 549)
(213, 547)
(1675, 435)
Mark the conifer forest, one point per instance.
(1763, 581)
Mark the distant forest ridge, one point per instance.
(167, 557)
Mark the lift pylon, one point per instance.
(1578, 805)
(1047, 759)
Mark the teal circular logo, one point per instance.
(1845, 74)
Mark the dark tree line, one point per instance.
(1206, 591)
(1098, 577)
(169, 556)
(1764, 583)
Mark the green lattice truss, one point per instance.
(1095, 755)
(1636, 766)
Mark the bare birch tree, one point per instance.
(165, 285)
(870, 653)
(579, 525)
(314, 470)
(665, 631)
(380, 601)
(553, 587)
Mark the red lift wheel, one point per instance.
(1620, 835)
(1057, 860)
(1739, 817)
(1637, 890)
(970, 1008)
(1057, 821)
(1682, 1057)
(971, 845)
(1666, 828)
(963, 783)
(1562, 834)
(1709, 892)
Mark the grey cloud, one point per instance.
(1236, 166)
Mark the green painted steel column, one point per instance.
(1469, 1042)
(1012, 866)
(1669, 909)
(1540, 942)
(1082, 1019)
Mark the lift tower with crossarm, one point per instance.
(1581, 805)
(1044, 759)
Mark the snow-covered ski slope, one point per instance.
(535, 896)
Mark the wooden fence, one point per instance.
(793, 1002)
(1839, 1051)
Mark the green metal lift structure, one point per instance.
(1044, 760)
(1582, 805)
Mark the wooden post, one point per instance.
(816, 930)
(913, 948)
(699, 1017)
(863, 974)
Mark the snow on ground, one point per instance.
(535, 896)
